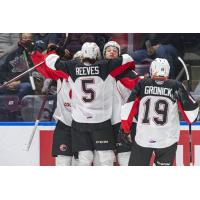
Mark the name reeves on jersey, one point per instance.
(87, 70)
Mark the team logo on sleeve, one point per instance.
(63, 147)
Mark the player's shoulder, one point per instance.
(153, 82)
(127, 58)
(102, 62)
(124, 57)
(146, 81)
(75, 62)
(66, 62)
(173, 83)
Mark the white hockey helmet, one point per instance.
(160, 68)
(90, 50)
(111, 44)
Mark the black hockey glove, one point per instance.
(59, 50)
(124, 137)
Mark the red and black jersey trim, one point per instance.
(118, 70)
(37, 57)
(126, 124)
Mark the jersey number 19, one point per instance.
(160, 109)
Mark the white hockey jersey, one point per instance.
(63, 109)
(157, 104)
(92, 86)
(122, 90)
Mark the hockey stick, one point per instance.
(30, 75)
(189, 89)
(21, 75)
(36, 123)
(185, 68)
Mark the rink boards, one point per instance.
(15, 135)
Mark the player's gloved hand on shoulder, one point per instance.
(60, 51)
(51, 47)
(124, 137)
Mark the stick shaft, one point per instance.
(189, 90)
(32, 135)
(185, 68)
(30, 75)
(36, 123)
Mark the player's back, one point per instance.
(92, 86)
(158, 119)
(92, 92)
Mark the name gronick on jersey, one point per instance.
(157, 104)
(92, 85)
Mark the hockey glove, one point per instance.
(125, 138)
(59, 50)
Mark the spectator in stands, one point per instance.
(75, 41)
(14, 65)
(101, 39)
(160, 46)
(39, 83)
(87, 37)
(8, 42)
(47, 39)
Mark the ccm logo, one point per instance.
(102, 142)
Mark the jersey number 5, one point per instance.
(90, 93)
(160, 110)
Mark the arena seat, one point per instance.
(9, 106)
(31, 105)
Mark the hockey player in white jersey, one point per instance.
(157, 100)
(62, 142)
(92, 90)
(121, 93)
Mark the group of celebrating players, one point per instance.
(106, 113)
